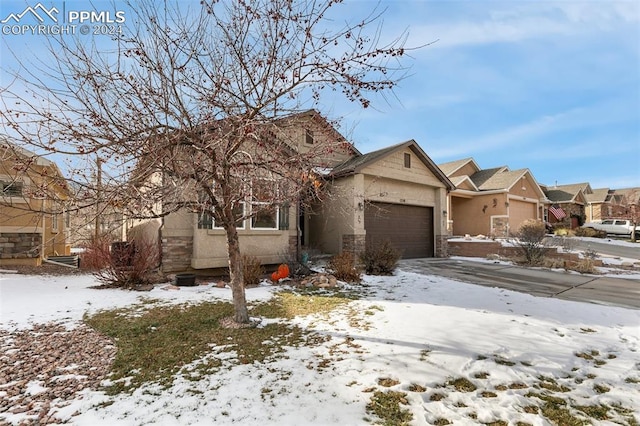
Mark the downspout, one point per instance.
(298, 230)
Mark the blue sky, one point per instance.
(552, 86)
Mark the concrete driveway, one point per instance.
(538, 282)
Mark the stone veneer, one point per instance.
(177, 253)
(19, 245)
(353, 243)
(442, 246)
(293, 247)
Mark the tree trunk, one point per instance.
(237, 277)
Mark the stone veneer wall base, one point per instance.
(176, 254)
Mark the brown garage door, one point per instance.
(519, 211)
(407, 228)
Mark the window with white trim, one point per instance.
(207, 221)
(264, 215)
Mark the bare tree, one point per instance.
(189, 110)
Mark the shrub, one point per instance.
(553, 263)
(531, 241)
(590, 232)
(380, 258)
(96, 254)
(251, 269)
(128, 264)
(584, 266)
(344, 267)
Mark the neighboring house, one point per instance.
(567, 204)
(599, 204)
(396, 194)
(493, 202)
(91, 219)
(624, 203)
(33, 223)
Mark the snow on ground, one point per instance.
(422, 331)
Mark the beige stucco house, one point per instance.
(193, 241)
(33, 224)
(396, 194)
(599, 204)
(492, 202)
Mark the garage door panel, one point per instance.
(520, 211)
(408, 228)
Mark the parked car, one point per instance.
(613, 226)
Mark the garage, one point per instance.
(519, 211)
(408, 228)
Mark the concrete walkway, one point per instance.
(535, 281)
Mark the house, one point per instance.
(396, 194)
(567, 204)
(625, 203)
(193, 241)
(33, 223)
(492, 201)
(599, 204)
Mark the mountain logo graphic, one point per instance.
(38, 11)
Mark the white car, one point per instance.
(613, 226)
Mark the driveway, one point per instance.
(538, 282)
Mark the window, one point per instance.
(308, 137)
(11, 189)
(54, 221)
(206, 220)
(407, 160)
(265, 216)
(607, 222)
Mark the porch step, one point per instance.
(72, 261)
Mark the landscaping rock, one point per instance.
(320, 280)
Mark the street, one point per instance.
(602, 290)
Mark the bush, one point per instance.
(343, 266)
(590, 232)
(127, 264)
(252, 270)
(531, 241)
(584, 266)
(380, 258)
(96, 254)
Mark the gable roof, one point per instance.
(10, 147)
(567, 193)
(324, 122)
(504, 179)
(356, 164)
(459, 181)
(599, 195)
(453, 166)
(34, 163)
(489, 178)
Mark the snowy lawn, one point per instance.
(426, 349)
